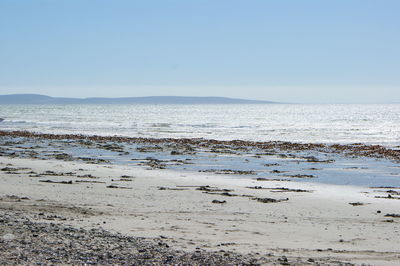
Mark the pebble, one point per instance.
(63, 244)
(8, 237)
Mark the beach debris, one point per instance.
(285, 189)
(64, 157)
(300, 176)
(171, 188)
(271, 179)
(390, 191)
(213, 189)
(247, 196)
(387, 187)
(111, 147)
(196, 186)
(127, 176)
(313, 159)
(387, 197)
(15, 198)
(10, 169)
(93, 160)
(229, 172)
(283, 260)
(52, 173)
(280, 189)
(56, 182)
(154, 148)
(271, 164)
(114, 186)
(269, 200)
(90, 181)
(227, 194)
(393, 192)
(356, 203)
(154, 163)
(121, 180)
(87, 176)
(277, 171)
(219, 201)
(394, 215)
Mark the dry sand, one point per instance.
(315, 226)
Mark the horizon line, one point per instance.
(192, 96)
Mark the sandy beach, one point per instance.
(188, 217)
(200, 133)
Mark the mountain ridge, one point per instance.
(44, 99)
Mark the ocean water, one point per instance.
(328, 123)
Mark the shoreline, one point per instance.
(269, 161)
(356, 149)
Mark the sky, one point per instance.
(333, 51)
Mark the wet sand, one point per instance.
(355, 149)
(195, 217)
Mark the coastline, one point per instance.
(355, 149)
(270, 221)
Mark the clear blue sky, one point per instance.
(293, 51)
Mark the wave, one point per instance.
(160, 125)
(308, 123)
(6, 121)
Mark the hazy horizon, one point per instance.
(281, 51)
(191, 96)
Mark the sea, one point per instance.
(304, 123)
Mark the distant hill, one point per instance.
(43, 99)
